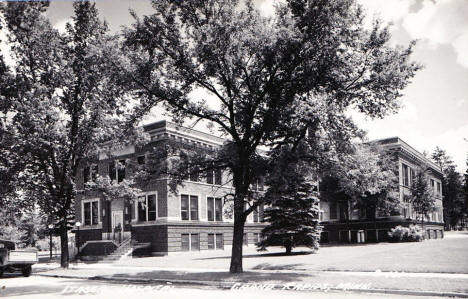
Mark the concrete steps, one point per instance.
(124, 250)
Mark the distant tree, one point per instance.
(421, 198)
(465, 193)
(273, 80)
(452, 188)
(32, 226)
(62, 102)
(440, 157)
(293, 211)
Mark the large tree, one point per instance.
(62, 102)
(268, 81)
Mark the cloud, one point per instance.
(61, 24)
(441, 22)
(460, 102)
(267, 7)
(460, 46)
(388, 10)
(407, 125)
(5, 49)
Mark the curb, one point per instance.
(229, 285)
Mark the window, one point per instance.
(185, 239)
(184, 207)
(256, 238)
(188, 207)
(405, 175)
(147, 208)
(219, 209)
(209, 177)
(219, 241)
(412, 176)
(432, 184)
(112, 172)
(245, 239)
(333, 212)
(117, 170)
(215, 241)
(255, 214)
(218, 177)
(214, 177)
(211, 241)
(438, 188)
(87, 213)
(194, 242)
(215, 209)
(261, 184)
(120, 171)
(141, 160)
(91, 212)
(90, 173)
(193, 207)
(343, 208)
(190, 242)
(194, 175)
(258, 184)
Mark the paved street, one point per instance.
(13, 286)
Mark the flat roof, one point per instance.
(397, 141)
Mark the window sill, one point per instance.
(88, 227)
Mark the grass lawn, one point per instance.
(448, 255)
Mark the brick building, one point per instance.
(342, 223)
(161, 222)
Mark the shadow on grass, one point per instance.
(267, 266)
(247, 276)
(259, 255)
(327, 245)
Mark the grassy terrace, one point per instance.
(448, 255)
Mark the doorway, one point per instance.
(117, 225)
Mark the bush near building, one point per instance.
(413, 233)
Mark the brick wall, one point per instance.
(156, 235)
(98, 248)
(88, 235)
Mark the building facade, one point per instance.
(342, 223)
(194, 218)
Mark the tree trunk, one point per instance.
(288, 245)
(64, 258)
(348, 216)
(422, 226)
(237, 242)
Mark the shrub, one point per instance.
(413, 233)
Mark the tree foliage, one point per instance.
(452, 189)
(293, 211)
(62, 102)
(421, 198)
(270, 80)
(366, 179)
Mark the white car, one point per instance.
(16, 260)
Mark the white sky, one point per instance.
(435, 105)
